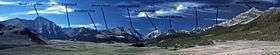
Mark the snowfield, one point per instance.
(58, 47)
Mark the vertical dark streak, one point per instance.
(149, 19)
(104, 18)
(34, 6)
(92, 21)
(67, 16)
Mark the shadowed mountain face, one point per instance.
(17, 37)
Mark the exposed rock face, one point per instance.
(40, 25)
(243, 18)
(50, 30)
(265, 27)
(153, 34)
(17, 37)
(119, 34)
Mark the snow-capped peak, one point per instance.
(243, 18)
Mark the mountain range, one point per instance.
(250, 25)
(262, 26)
(50, 30)
(12, 36)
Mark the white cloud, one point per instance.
(54, 8)
(142, 14)
(9, 3)
(52, 2)
(164, 10)
(271, 1)
(187, 5)
(220, 19)
(82, 25)
(3, 18)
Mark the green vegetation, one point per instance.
(179, 40)
(265, 28)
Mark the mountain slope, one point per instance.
(265, 27)
(17, 37)
(50, 30)
(153, 34)
(40, 25)
(243, 18)
(119, 34)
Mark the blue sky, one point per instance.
(117, 17)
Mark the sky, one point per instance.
(55, 11)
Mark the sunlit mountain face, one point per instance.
(144, 14)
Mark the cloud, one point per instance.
(187, 5)
(220, 19)
(172, 8)
(82, 25)
(271, 1)
(53, 8)
(9, 3)
(3, 18)
(142, 14)
(57, 9)
(52, 2)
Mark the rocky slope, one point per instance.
(250, 25)
(264, 27)
(40, 25)
(243, 18)
(17, 37)
(50, 30)
(119, 34)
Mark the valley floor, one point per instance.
(235, 48)
(86, 48)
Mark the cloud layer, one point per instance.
(2, 18)
(9, 3)
(82, 25)
(271, 1)
(171, 8)
(53, 7)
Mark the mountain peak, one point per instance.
(254, 9)
(40, 18)
(17, 19)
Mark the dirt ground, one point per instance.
(87, 48)
(234, 48)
